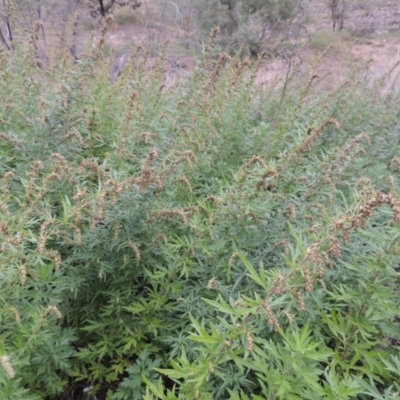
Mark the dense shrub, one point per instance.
(250, 22)
(207, 241)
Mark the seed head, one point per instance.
(5, 362)
(54, 311)
(300, 301)
(271, 317)
(23, 273)
(250, 342)
(212, 284)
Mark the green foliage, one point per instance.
(205, 241)
(141, 371)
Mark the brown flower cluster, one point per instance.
(315, 132)
(362, 214)
(271, 317)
